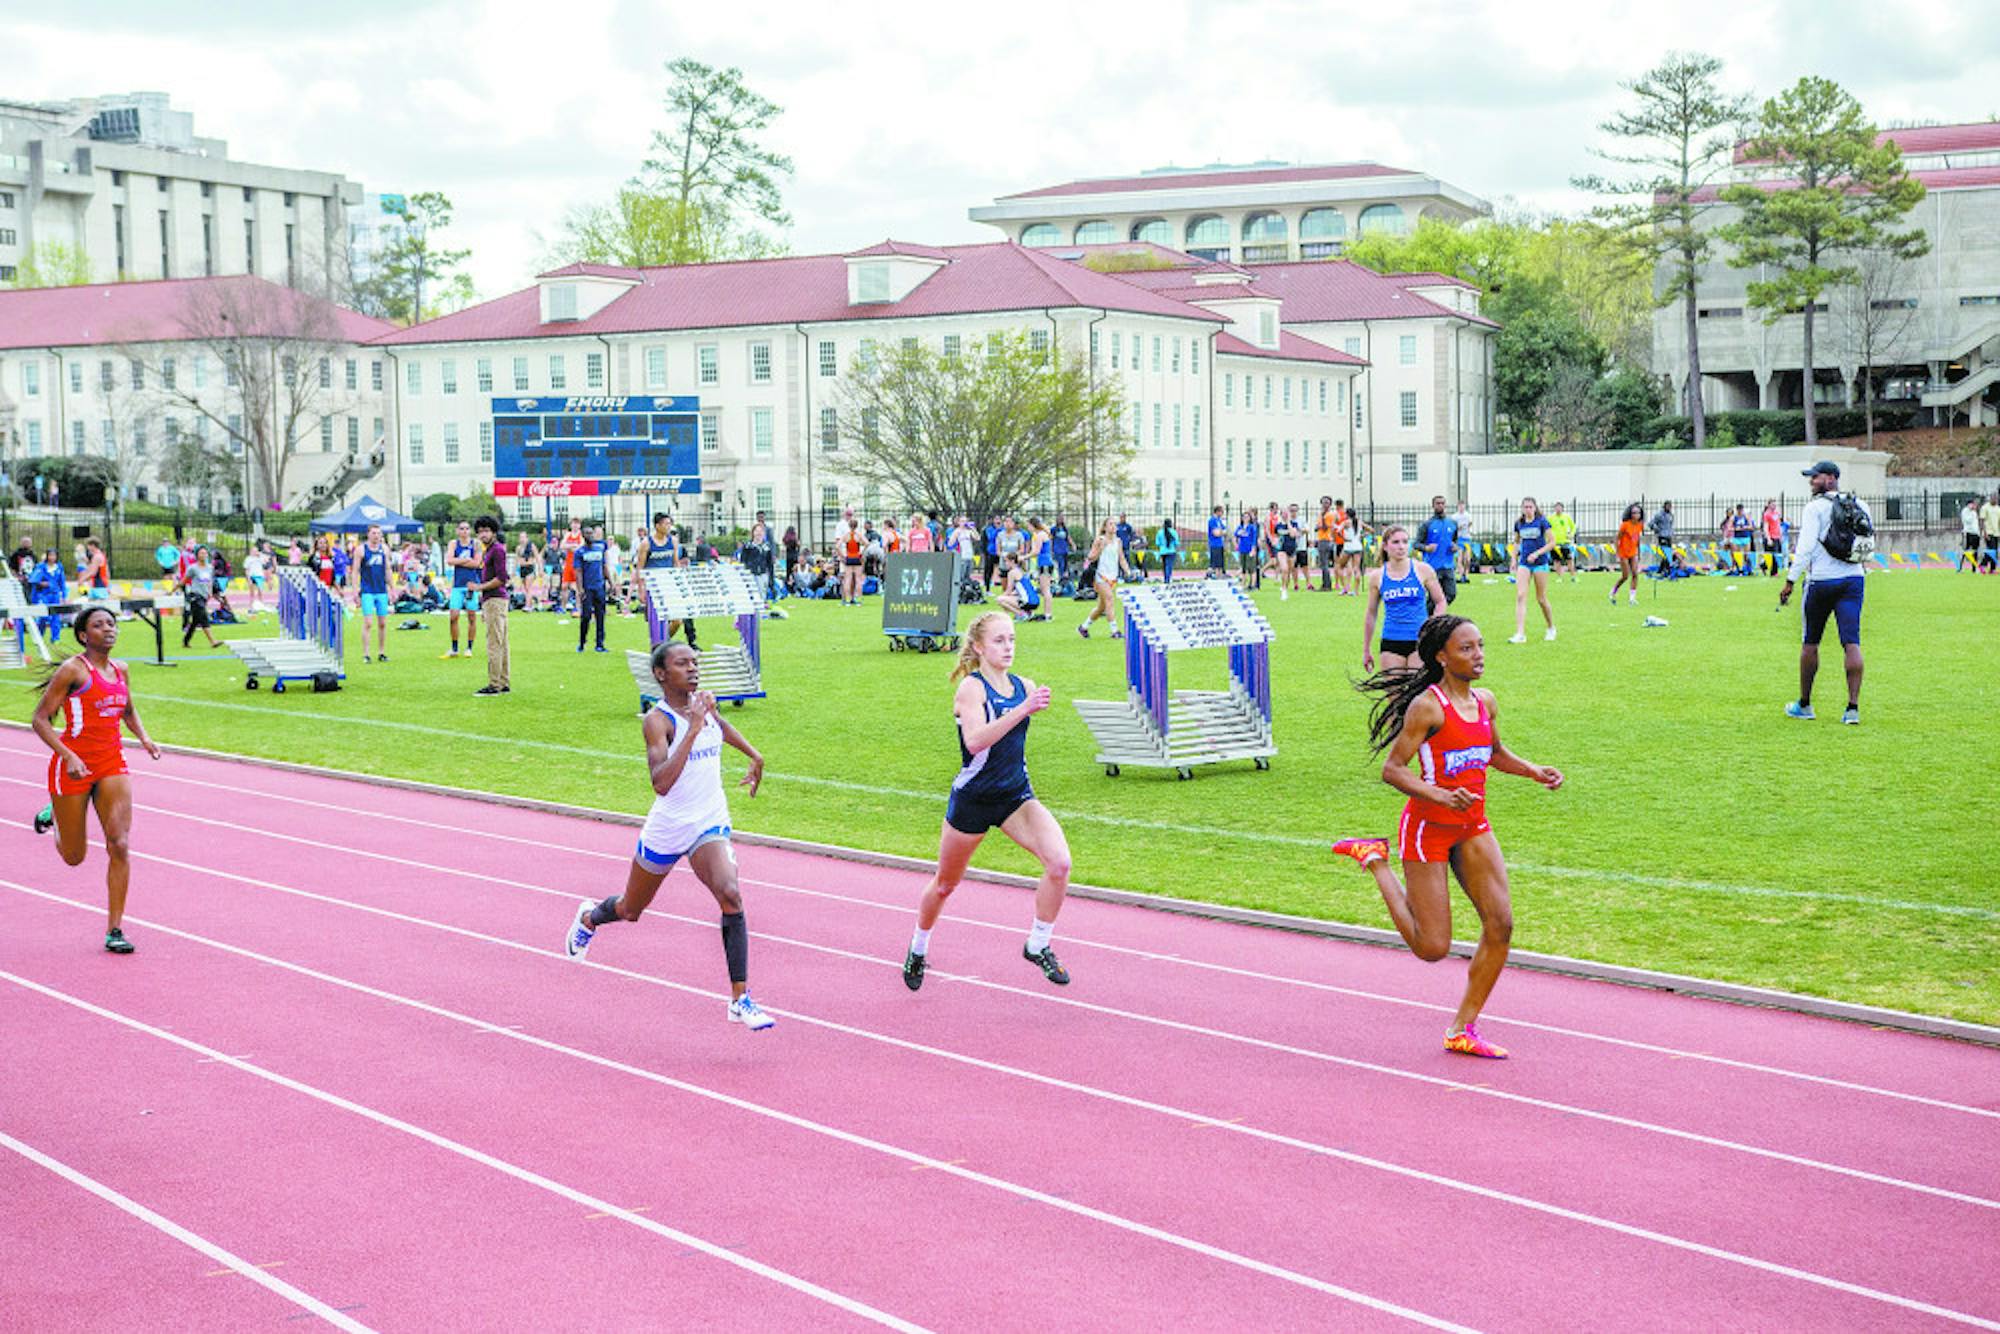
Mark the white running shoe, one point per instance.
(746, 1013)
(581, 933)
(1550, 634)
(1634, 599)
(1517, 639)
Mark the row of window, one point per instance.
(137, 435)
(1166, 358)
(1279, 457)
(207, 188)
(1207, 230)
(1277, 393)
(1161, 438)
(168, 371)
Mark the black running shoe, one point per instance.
(913, 969)
(114, 940)
(45, 819)
(1046, 961)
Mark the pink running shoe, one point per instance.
(1469, 1043)
(1363, 850)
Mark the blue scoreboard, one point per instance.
(596, 445)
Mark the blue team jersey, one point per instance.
(1218, 531)
(590, 565)
(1440, 542)
(659, 552)
(374, 567)
(1533, 537)
(1000, 772)
(464, 576)
(1405, 605)
(1246, 538)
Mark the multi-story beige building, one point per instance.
(1252, 214)
(1928, 327)
(120, 371)
(125, 180)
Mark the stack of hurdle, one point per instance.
(313, 624)
(1156, 726)
(18, 624)
(733, 672)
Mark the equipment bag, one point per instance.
(1850, 533)
(322, 682)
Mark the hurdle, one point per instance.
(313, 624)
(1158, 727)
(732, 672)
(22, 618)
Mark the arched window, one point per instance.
(1042, 233)
(1207, 237)
(1154, 230)
(1095, 233)
(1321, 233)
(1264, 237)
(1381, 218)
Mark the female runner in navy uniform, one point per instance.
(993, 707)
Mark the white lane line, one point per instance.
(932, 799)
(706, 996)
(1350, 1062)
(303, 1300)
(953, 1168)
(827, 1295)
(1630, 1044)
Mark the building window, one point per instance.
(1409, 469)
(1194, 356)
(1177, 426)
(353, 374)
(375, 376)
(1138, 425)
(1406, 350)
(708, 365)
(249, 245)
(1270, 456)
(486, 442)
(656, 368)
(760, 363)
(1322, 456)
(524, 508)
(1038, 345)
(1194, 435)
(1322, 231)
(1288, 456)
(1287, 395)
(1267, 327)
(1042, 234)
(593, 370)
(1381, 218)
(1159, 425)
(829, 428)
(76, 377)
(760, 433)
(871, 427)
(1229, 455)
(451, 442)
(1987, 300)
(1158, 346)
(413, 378)
(558, 375)
(1407, 409)
(1267, 391)
(1229, 390)
(1117, 348)
(353, 435)
(1322, 395)
(108, 433)
(448, 376)
(1357, 414)
(482, 375)
(1095, 232)
(325, 435)
(105, 377)
(31, 378)
(1264, 235)
(765, 500)
(76, 437)
(1351, 346)
(520, 375)
(1208, 236)
(416, 443)
(711, 432)
(1093, 346)
(34, 439)
(829, 360)
(1153, 230)
(829, 501)
(138, 374)
(1175, 365)
(951, 347)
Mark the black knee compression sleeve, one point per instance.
(606, 911)
(736, 946)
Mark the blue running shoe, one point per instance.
(1794, 709)
(746, 1013)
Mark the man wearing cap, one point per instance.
(1833, 588)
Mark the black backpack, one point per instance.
(1850, 533)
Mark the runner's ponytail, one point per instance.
(1399, 687)
(968, 649)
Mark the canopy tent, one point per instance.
(362, 515)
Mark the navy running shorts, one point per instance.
(1838, 598)
(980, 814)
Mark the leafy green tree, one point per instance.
(53, 264)
(983, 432)
(415, 276)
(1838, 193)
(1487, 253)
(1679, 134)
(640, 228)
(438, 507)
(1537, 344)
(189, 468)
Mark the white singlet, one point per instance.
(695, 804)
(1107, 562)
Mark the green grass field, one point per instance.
(1700, 830)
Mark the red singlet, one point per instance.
(1453, 757)
(91, 721)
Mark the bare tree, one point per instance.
(277, 347)
(982, 432)
(1874, 321)
(1574, 413)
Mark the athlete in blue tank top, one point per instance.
(992, 707)
(1531, 566)
(1407, 593)
(462, 558)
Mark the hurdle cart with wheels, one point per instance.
(731, 672)
(313, 622)
(1155, 726)
(920, 592)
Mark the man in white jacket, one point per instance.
(1833, 588)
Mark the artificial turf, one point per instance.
(1700, 830)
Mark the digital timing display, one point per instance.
(596, 445)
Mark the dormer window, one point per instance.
(871, 284)
(562, 301)
(1267, 328)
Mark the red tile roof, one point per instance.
(1957, 178)
(591, 271)
(147, 312)
(1977, 136)
(1291, 347)
(978, 279)
(1218, 292)
(900, 248)
(1323, 291)
(1200, 180)
(1429, 279)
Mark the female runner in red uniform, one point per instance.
(1435, 714)
(89, 694)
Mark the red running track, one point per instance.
(349, 1057)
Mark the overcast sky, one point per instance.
(899, 117)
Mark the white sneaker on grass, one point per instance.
(1517, 639)
(1550, 633)
(745, 1011)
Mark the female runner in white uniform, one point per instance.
(1107, 556)
(690, 818)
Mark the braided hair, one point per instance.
(1399, 687)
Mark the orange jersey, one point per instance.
(1629, 533)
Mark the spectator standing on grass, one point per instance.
(1246, 551)
(1630, 529)
(199, 588)
(991, 549)
(1562, 538)
(1439, 548)
(46, 587)
(1168, 543)
(1218, 545)
(94, 578)
(1663, 533)
(371, 581)
(590, 586)
(1834, 586)
(1968, 519)
(791, 549)
(492, 586)
(1772, 525)
(1989, 519)
(1462, 523)
(1059, 548)
(920, 536)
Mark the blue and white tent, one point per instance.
(358, 517)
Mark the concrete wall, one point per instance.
(1604, 477)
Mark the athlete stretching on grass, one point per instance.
(690, 818)
(93, 697)
(1436, 715)
(993, 707)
